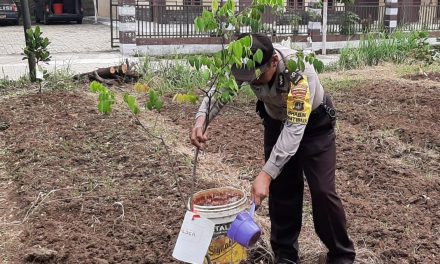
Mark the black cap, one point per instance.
(259, 41)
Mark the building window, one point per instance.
(192, 2)
(331, 4)
(295, 4)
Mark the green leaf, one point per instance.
(214, 6)
(97, 87)
(258, 56)
(250, 64)
(206, 75)
(159, 106)
(291, 65)
(154, 101)
(197, 63)
(106, 101)
(257, 72)
(246, 41)
(205, 61)
(319, 66)
(237, 48)
(185, 98)
(37, 31)
(131, 103)
(301, 65)
(30, 33)
(200, 25)
(237, 62)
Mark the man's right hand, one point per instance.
(197, 137)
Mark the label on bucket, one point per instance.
(194, 238)
(223, 250)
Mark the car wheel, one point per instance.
(79, 21)
(16, 22)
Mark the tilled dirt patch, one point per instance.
(96, 189)
(433, 76)
(387, 169)
(92, 189)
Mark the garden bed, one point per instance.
(95, 189)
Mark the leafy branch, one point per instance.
(217, 67)
(106, 101)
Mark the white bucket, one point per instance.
(221, 206)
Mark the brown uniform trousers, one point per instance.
(316, 159)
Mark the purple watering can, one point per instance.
(244, 230)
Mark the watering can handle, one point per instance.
(252, 211)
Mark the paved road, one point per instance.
(80, 48)
(65, 38)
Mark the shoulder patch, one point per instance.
(298, 103)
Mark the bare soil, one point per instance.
(434, 76)
(86, 188)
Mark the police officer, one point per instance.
(299, 139)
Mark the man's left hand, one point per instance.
(260, 187)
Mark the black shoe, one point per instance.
(285, 261)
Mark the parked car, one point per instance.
(9, 12)
(48, 11)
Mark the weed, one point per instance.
(350, 58)
(245, 95)
(60, 79)
(7, 84)
(405, 69)
(374, 48)
(341, 84)
(171, 76)
(331, 67)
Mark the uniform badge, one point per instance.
(299, 104)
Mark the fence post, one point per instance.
(127, 26)
(314, 25)
(391, 11)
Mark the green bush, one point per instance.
(349, 22)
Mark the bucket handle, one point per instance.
(252, 210)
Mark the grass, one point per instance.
(171, 76)
(57, 79)
(7, 83)
(245, 95)
(374, 48)
(341, 84)
(60, 79)
(406, 69)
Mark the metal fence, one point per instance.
(167, 20)
(419, 17)
(114, 23)
(354, 19)
(171, 21)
